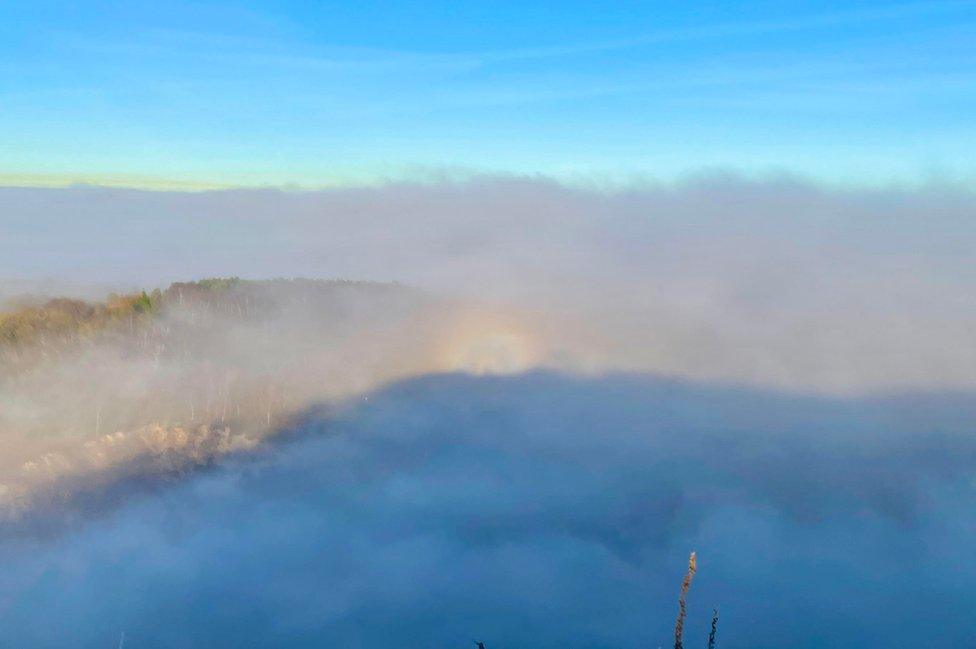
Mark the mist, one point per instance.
(777, 283)
(96, 393)
(500, 409)
(536, 510)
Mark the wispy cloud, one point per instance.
(711, 32)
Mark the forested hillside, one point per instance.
(32, 328)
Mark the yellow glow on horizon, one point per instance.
(338, 178)
(123, 181)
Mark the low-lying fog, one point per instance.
(570, 391)
(772, 283)
(534, 511)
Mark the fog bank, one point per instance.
(565, 391)
(777, 283)
(535, 511)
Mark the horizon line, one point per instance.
(430, 176)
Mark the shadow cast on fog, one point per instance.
(536, 510)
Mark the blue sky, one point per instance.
(324, 93)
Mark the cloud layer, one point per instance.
(540, 509)
(777, 283)
(533, 511)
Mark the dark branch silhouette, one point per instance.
(711, 634)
